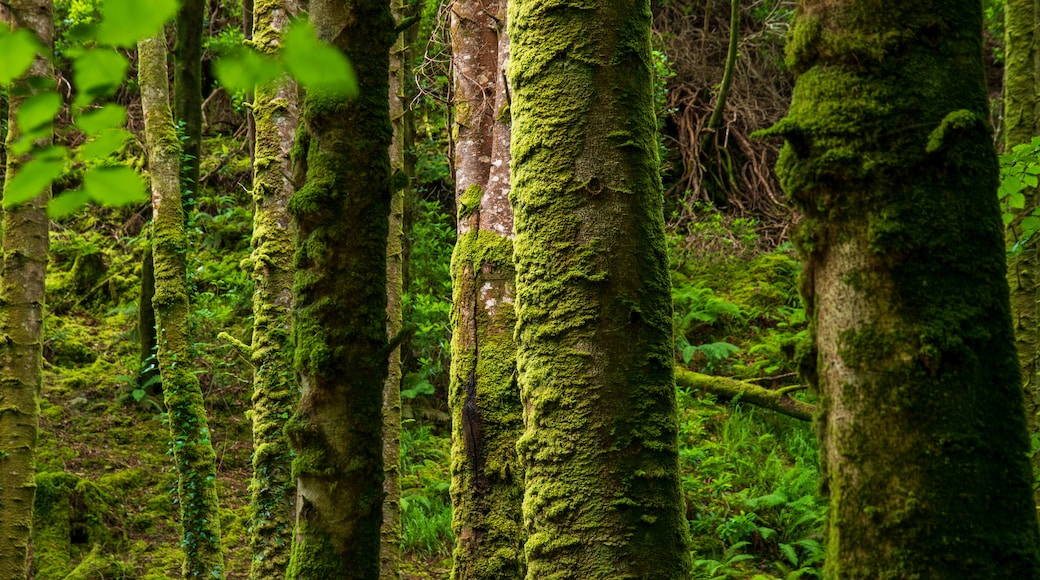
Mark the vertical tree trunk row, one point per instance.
(189, 430)
(22, 275)
(487, 479)
(889, 157)
(340, 210)
(593, 302)
(275, 390)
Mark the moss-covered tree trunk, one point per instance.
(487, 479)
(1021, 122)
(275, 390)
(403, 167)
(599, 447)
(890, 158)
(22, 274)
(189, 429)
(339, 316)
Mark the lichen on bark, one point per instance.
(340, 210)
(189, 430)
(275, 390)
(890, 158)
(22, 273)
(487, 478)
(594, 324)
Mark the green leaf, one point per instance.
(124, 22)
(106, 143)
(31, 180)
(67, 203)
(1032, 168)
(107, 117)
(18, 48)
(114, 186)
(1029, 180)
(242, 70)
(38, 112)
(317, 65)
(790, 553)
(1017, 200)
(1030, 224)
(1012, 183)
(98, 73)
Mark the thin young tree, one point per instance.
(1021, 123)
(275, 390)
(889, 157)
(340, 210)
(22, 273)
(594, 361)
(487, 479)
(189, 430)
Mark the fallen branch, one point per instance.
(725, 389)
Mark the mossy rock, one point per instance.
(74, 517)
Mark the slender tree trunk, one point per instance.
(275, 390)
(187, 84)
(149, 371)
(889, 157)
(22, 275)
(247, 32)
(1020, 125)
(602, 495)
(189, 430)
(339, 320)
(403, 168)
(487, 479)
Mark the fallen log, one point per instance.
(726, 389)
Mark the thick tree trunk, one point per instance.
(22, 275)
(1020, 125)
(403, 169)
(594, 324)
(889, 157)
(189, 430)
(339, 315)
(487, 419)
(275, 390)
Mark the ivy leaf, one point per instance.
(124, 22)
(37, 112)
(107, 117)
(31, 180)
(106, 143)
(244, 69)
(19, 49)
(114, 186)
(98, 73)
(67, 203)
(317, 65)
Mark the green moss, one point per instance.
(73, 517)
(469, 202)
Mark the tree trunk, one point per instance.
(889, 157)
(487, 479)
(339, 316)
(148, 375)
(22, 275)
(1020, 125)
(403, 169)
(187, 84)
(594, 362)
(189, 430)
(275, 390)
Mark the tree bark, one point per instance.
(187, 84)
(22, 275)
(275, 390)
(594, 326)
(341, 214)
(403, 169)
(1020, 125)
(487, 419)
(189, 430)
(889, 157)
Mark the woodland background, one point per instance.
(106, 484)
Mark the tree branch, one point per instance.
(726, 388)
